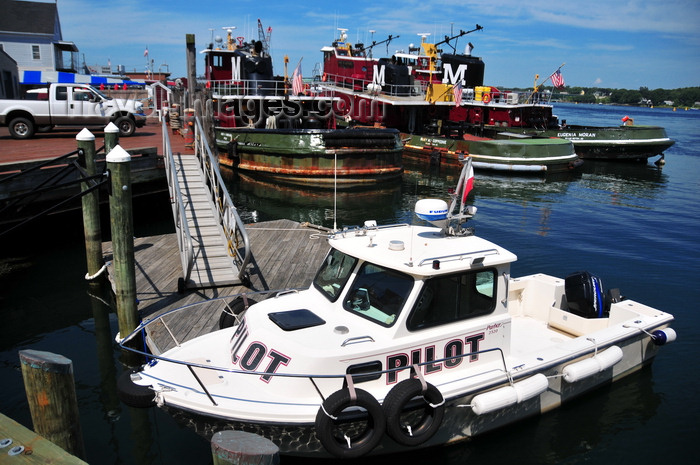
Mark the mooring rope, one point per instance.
(89, 277)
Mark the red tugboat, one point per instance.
(278, 127)
(425, 95)
(430, 96)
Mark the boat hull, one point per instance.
(460, 422)
(528, 155)
(313, 156)
(633, 143)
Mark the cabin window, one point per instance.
(334, 273)
(36, 53)
(378, 294)
(446, 299)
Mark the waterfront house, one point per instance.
(30, 33)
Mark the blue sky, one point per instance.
(606, 43)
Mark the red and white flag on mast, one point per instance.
(557, 79)
(297, 81)
(468, 182)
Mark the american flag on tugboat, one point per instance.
(457, 90)
(557, 79)
(297, 82)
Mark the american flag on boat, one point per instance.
(557, 79)
(297, 82)
(457, 90)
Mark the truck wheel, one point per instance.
(126, 126)
(21, 128)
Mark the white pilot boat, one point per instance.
(409, 336)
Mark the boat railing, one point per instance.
(251, 88)
(476, 255)
(226, 212)
(453, 359)
(182, 231)
(418, 89)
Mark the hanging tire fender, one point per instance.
(232, 310)
(328, 417)
(134, 395)
(232, 150)
(428, 423)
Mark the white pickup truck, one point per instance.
(77, 105)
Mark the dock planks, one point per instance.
(36, 448)
(285, 255)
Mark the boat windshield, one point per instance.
(455, 297)
(334, 273)
(378, 293)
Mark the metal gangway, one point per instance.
(214, 246)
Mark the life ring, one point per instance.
(134, 395)
(231, 311)
(487, 97)
(352, 443)
(428, 423)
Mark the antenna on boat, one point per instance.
(374, 44)
(229, 36)
(448, 39)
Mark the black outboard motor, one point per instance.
(584, 295)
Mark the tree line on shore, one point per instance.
(683, 97)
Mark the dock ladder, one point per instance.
(214, 246)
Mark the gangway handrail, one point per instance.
(184, 238)
(227, 213)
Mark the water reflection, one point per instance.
(261, 199)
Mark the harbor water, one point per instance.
(634, 225)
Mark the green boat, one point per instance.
(281, 128)
(346, 157)
(634, 143)
(522, 154)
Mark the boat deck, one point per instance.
(531, 336)
(282, 251)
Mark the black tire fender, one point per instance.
(357, 442)
(132, 394)
(232, 310)
(429, 421)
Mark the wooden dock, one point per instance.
(36, 449)
(286, 254)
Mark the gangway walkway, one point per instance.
(214, 246)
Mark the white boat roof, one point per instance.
(413, 249)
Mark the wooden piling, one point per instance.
(91, 205)
(111, 137)
(53, 404)
(122, 227)
(241, 448)
(191, 69)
